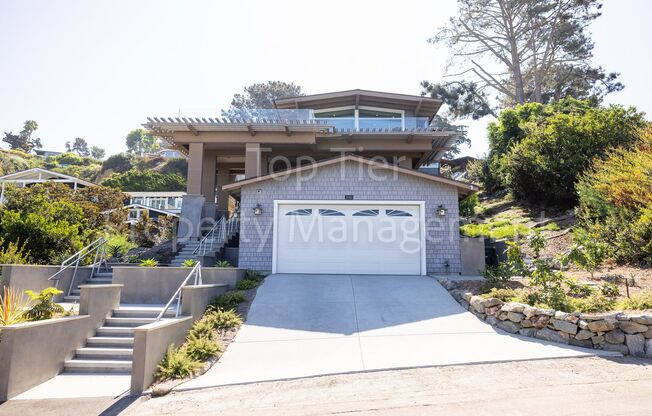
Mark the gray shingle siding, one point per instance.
(333, 183)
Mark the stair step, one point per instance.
(99, 281)
(105, 353)
(103, 274)
(97, 366)
(71, 299)
(75, 292)
(128, 321)
(115, 331)
(142, 312)
(108, 342)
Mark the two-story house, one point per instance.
(326, 183)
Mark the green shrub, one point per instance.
(136, 180)
(202, 329)
(498, 276)
(176, 364)
(468, 205)
(495, 229)
(586, 253)
(118, 245)
(13, 253)
(578, 289)
(13, 306)
(132, 258)
(149, 263)
(504, 294)
(223, 319)
(189, 263)
(609, 290)
(201, 348)
(44, 308)
(247, 284)
(595, 302)
(637, 301)
(222, 263)
(228, 301)
(552, 226)
(253, 275)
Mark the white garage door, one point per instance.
(361, 238)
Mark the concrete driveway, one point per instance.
(308, 325)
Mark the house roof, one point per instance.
(463, 188)
(143, 207)
(36, 175)
(421, 106)
(168, 194)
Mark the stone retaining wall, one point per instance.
(612, 331)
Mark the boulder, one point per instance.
(515, 316)
(478, 314)
(642, 319)
(648, 348)
(583, 335)
(581, 343)
(493, 310)
(509, 326)
(464, 304)
(564, 326)
(636, 344)
(632, 327)
(488, 303)
(550, 335)
(615, 337)
(477, 304)
(602, 325)
(648, 334)
(598, 316)
(582, 324)
(467, 296)
(541, 321)
(513, 307)
(561, 315)
(502, 315)
(491, 320)
(598, 339)
(529, 332)
(529, 311)
(526, 323)
(545, 312)
(621, 348)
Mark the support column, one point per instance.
(223, 178)
(195, 168)
(208, 176)
(252, 160)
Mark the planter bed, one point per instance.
(629, 333)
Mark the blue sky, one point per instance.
(97, 69)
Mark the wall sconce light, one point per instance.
(258, 210)
(441, 211)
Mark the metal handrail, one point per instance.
(221, 231)
(196, 271)
(97, 247)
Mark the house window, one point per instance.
(366, 213)
(300, 212)
(330, 213)
(397, 213)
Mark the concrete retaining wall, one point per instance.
(156, 285)
(472, 253)
(150, 343)
(33, 352)
(195, 299)
(35, 277)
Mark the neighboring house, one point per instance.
(326, 183)
(37, 175)
(136, 212)
(46, 153)
(170, 154)
(458, 166)
(166, 201)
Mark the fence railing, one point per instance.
(97, 248)
(196, 273)
(219, 234)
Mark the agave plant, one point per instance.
(13, 307)
(223, 263)
(189, 263)
(149, 263)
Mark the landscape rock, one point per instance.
(602, 326)
(464, 304)
(561, 315)
(632, 327)
(648, 348)
(513, 307)
(508, 326)
(478, 314)
(581, 343)
(648, 333)
(621, 348)
(545, 312)
(529, 311)
(477, 304)
(598, 316)
(502, 315)
(529, 332)
(550, 335)
(515, 316)
(582, 324)
(642, 319)
(564, 326)
(636, 344)
(541, 321)
(491, 320)
(526, 323)
(583, 335)
(467, 296)
(615, 337)
(598, 339)
(493, 310)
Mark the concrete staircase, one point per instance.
(98, 278)
(186, 253)
(111, 349)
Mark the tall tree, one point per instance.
(24, 140)
(97, 152)
(79, 146)
(140, 141)
(260, 96)
(519, 51)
